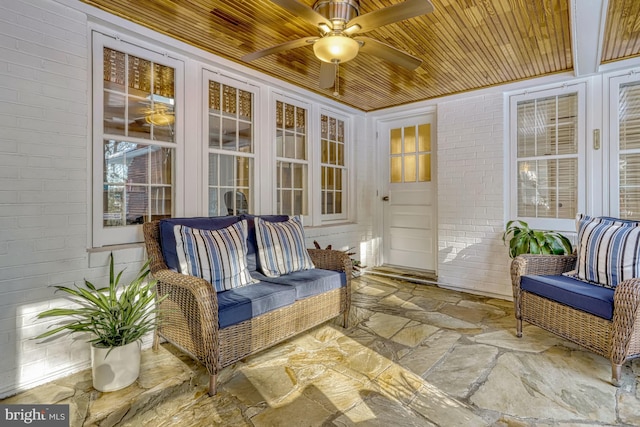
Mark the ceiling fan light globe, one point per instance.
(336, 48)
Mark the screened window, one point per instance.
(135, 105)
(291, 159)
(547, 157)
(333, 166)
(230, 123)
(629, 150)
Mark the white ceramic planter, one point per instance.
(117, 370)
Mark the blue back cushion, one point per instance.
(168, 239)
(575, 293)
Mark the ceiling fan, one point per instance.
(339, 23)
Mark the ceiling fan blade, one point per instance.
(293, 44)
(327, 75)
(389, 53)
(304, 12)
(388, 15)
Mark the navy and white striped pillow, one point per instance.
(608, 250)
(218, 256)
(281, 247)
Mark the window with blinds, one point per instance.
(230, 123)
(629, 150)
(547, 156)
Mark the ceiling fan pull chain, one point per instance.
(336, 88)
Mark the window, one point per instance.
(291, 159)
(546, 133)
(410, 154)
(625, 150)
(230, 130)
(333, 170)
(135, 139)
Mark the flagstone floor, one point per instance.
(415, 355)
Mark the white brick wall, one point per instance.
(43, 206)
(44, 210)
(471, 195)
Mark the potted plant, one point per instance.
(524, 240)
(116, 317)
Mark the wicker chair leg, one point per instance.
(519, 328)
(345, 320)
(156, 340)
(212, 385)
(616, 373)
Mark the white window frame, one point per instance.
(559, 224)
(223, 80)
(615, 81)
(346, 178)
(310, 147)
(104, 236)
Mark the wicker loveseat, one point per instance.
(603, 319)
(192, 316)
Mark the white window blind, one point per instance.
(629, 150)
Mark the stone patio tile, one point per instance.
(413, 333)
(398, 383)
(559, 385)
(432, 350)
(380, 411)
(397, 299)
(443, 410)
(460, 371)
(534, 340)
(385, 325)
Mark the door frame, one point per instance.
(382, 179)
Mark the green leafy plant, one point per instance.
(114, 315)
(524, 240)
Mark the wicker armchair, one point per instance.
(190, 312)
(617, 339)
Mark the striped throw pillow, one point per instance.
(608, 250)
(218, 256)
(281, 247)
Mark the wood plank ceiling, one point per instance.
(465, 44)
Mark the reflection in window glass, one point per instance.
(291, 159)
(135, 175)
(333, 165)
(230, 146)
(138, 104)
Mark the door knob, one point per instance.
(385, 198)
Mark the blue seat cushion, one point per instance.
(575, 293)
(240, 304)
(307, 283)
(168, 239)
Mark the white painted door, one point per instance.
(409, 213)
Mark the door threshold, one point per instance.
(404, 273)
